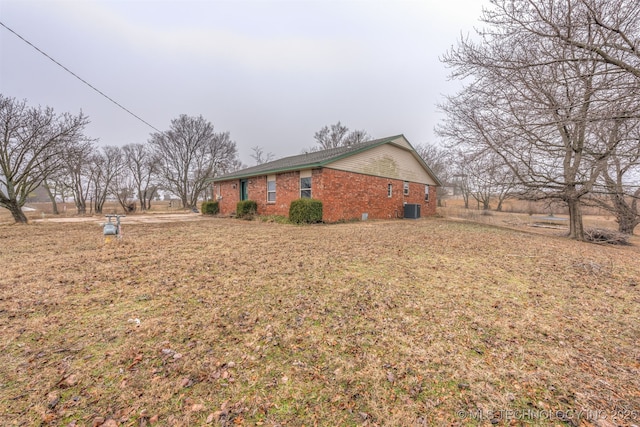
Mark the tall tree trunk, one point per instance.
(148, 201)
(81, 208)
(576, 228)
(52, 197)
(142, 199)
(627, 215)
(485, 204)
(16, 212)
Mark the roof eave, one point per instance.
(268, 172)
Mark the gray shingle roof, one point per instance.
(303, 161)
(314, 159)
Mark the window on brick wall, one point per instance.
(271, 188)
(305, 187)
(406, 188)
(305, 184)
(426, 192)
(389, 190)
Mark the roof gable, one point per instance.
(323, 158)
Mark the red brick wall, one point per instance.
(347, 195)
(344, 195)
(230, 193)
(287, 190)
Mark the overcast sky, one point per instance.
(270, 72)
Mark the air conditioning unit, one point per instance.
(411, 211)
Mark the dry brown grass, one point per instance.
(373, 323)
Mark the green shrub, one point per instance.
(210, 208)
(246, 209)
(307, 211)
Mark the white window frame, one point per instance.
(406, 188)
(389, 190)
(271, 179)
(304, 175)
(426, 192)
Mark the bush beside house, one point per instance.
(305, 211)
(246, 209)
(210, 208)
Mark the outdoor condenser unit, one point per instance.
(411, 211)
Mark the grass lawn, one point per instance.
(228, 322)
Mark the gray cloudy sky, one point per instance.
(270, 72)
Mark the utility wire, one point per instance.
(81, 79)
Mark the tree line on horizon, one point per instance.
(40, 148)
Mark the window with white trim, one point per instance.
(389, 190)
(426, 192)
(406, 188)
(271, 189)
(305, 184)
(305, 187)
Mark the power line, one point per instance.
(81, 79)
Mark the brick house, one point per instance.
(374, 179)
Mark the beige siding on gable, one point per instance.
(403, 143)
(386, 161)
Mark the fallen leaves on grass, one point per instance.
(374, 323)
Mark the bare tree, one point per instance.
(623, 197)
(77, 173)
(260, 156)
(618, 188)
(536, 101)
(191, 154)
(106, 165)
(609, 29)
(54, 188)
(123, 189)
(54, 185)
(439, 161)
(356, 137)
(31, 147)
(338, 135)
(144, 167)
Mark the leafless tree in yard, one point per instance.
(106, 165)
(31, 145)
(55, 186)
(460, 174)
(607, 28)
(123, 189)
(439, 161)
(77, 172)
(191, 154)
(618, 188)
(143, 165)
(489, 179)
(536, 100)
